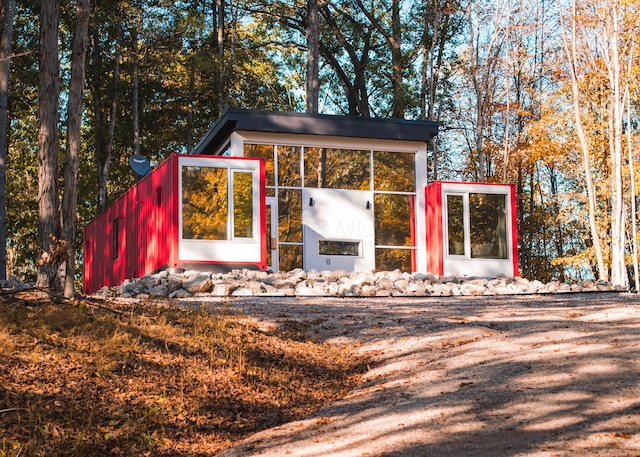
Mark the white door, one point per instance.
(338, 229)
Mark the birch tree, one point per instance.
(570, 47)
(599, 44)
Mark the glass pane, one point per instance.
(394, 259)
(488, 226)
(336, 168)
(394, 171)
(290, 215)
(242, 204)
(455, 224)
(289, 166)
(348, 248)
(269, 234)
(394, 220)
(290, 257)
(204, 203)
(265, 151)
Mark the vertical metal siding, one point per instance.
(435, 251)
(147, 223)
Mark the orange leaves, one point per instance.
(152, 381)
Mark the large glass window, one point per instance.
(488, 225)
(390, 175)
(264, 151)
(455, 224)
(290, 257)
(204, 203)
(394, 171)
(394, 219)
(289, 166)
(337, 168)
(290, 215)
(395, 259)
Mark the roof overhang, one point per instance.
(312, 124)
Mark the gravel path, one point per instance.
(539, 375)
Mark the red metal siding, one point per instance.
(435, 249)
(514, 231)
(435, 235)
(147, 224)
(151, 225)
(148, 230)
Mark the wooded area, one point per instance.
(541, 94)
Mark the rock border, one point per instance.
(176, 283)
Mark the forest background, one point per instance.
(541, 93)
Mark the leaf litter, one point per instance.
(117, 378)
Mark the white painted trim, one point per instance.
(420, 162)
(285, 139)
(236, 250)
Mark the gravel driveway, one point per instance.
(535, 375)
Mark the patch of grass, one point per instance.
(81, 380)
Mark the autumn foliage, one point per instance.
(105, 378)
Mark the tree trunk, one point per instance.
(8, 12)
(571, 54)
(48, 90)
(104, 160)
(632, 183)
(136, 96)
(397, 61)
(74, 127)
(612, 60)
(356, 91)
(313, 38)
(222, 92)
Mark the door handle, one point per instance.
(368, 205)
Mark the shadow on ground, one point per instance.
(476, 376)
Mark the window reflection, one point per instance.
(488, 226)
(394, 259)
(347, 248)
(394, 171)
(455, 224)
(337, 168)
(289, 166)
(393, 220)
(242, 204)
(290, 215)
(262, 151)
(290, 257)
(204, 203)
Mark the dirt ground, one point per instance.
(545, 375)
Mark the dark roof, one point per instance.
(312, 124)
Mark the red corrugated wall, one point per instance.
(435, 251)
(147, 221)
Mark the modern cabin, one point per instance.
(279, 191)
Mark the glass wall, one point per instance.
(390, 175)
